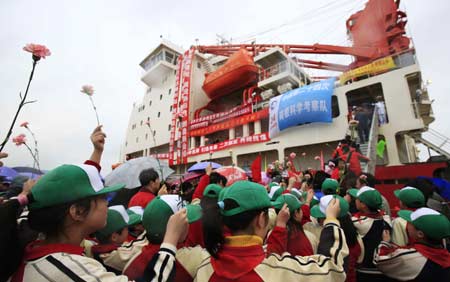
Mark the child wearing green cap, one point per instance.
(66, 205)
(353, 239)
(370, 222)
(155, 219)
(411, 199)
(426, 259)
(292, 239)
(111, 250)
(240, 256)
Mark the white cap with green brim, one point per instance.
(117, 220)
(67, 184)
(158, 211)
(135, 214)
(319, 211)
(432, 223)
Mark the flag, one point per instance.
(256, 169)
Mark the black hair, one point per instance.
(148, 175)
(369, 180)
(319, 178)
(106, 239)
(215, 178)
(351, 235)
(348, 181)
(186, 191)
(292, 224)
(213, 223)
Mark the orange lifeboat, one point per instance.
(239, 71)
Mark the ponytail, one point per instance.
(213, 223)
(212, 229)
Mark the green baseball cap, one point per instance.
(411, 197)
(117, 219)
(248, 196)
(212, 191)
(68, 183)
(330, 185)
(158, 211)
(367, 195)
(289, 199)
(434, 224)
(314, 200)
(319, 211)
(297, 193)
(275, 192)
(135, 213)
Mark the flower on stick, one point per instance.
(89, 91)
(38, 51)
(21, 140)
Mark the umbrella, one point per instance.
(8, 173)
(232, 173)
(28, 169)
(203, 165)
(128, 172)
(30, 175)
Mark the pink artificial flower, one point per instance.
(24, 124)
(87, 89)
(37, 50)
(292, 155)
(317, 158)
(303, 154)
(19, 139)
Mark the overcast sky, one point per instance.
(102, 42)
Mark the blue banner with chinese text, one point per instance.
(310, 103)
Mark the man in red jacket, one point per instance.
(150, 188)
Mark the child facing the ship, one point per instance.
(424, 260)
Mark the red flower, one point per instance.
(87, 89)
(37, 50)
(19, 139)
(24, 124)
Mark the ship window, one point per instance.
(199, 66)
(149, 90)
(150, 104)
(334, 106)
(154, 132)
(171, 108)
(160, 97)
(126, 144)
(159, 114)
(143, 107)
(146, 136)
(170, 91)
(170, 127)
(148, 118)
(142, 122)
(169, 57)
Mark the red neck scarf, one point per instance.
(439, 256)
(35, 250)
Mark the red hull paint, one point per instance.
(395, 177)
(238, 72)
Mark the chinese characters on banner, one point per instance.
(310, 103)
(230, 123)
(257, 138)
(220, 117)
(377, 66)
(163, 156)
(173, 127)
(183, 111)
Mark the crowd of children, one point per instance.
(317, 226)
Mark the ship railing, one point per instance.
(437, 139)
(372, 144)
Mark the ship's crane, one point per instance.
(376, 32)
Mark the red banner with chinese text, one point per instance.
(231, 123)
(220, 117)
(173, 127)
(257, 138)
(183, 111)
